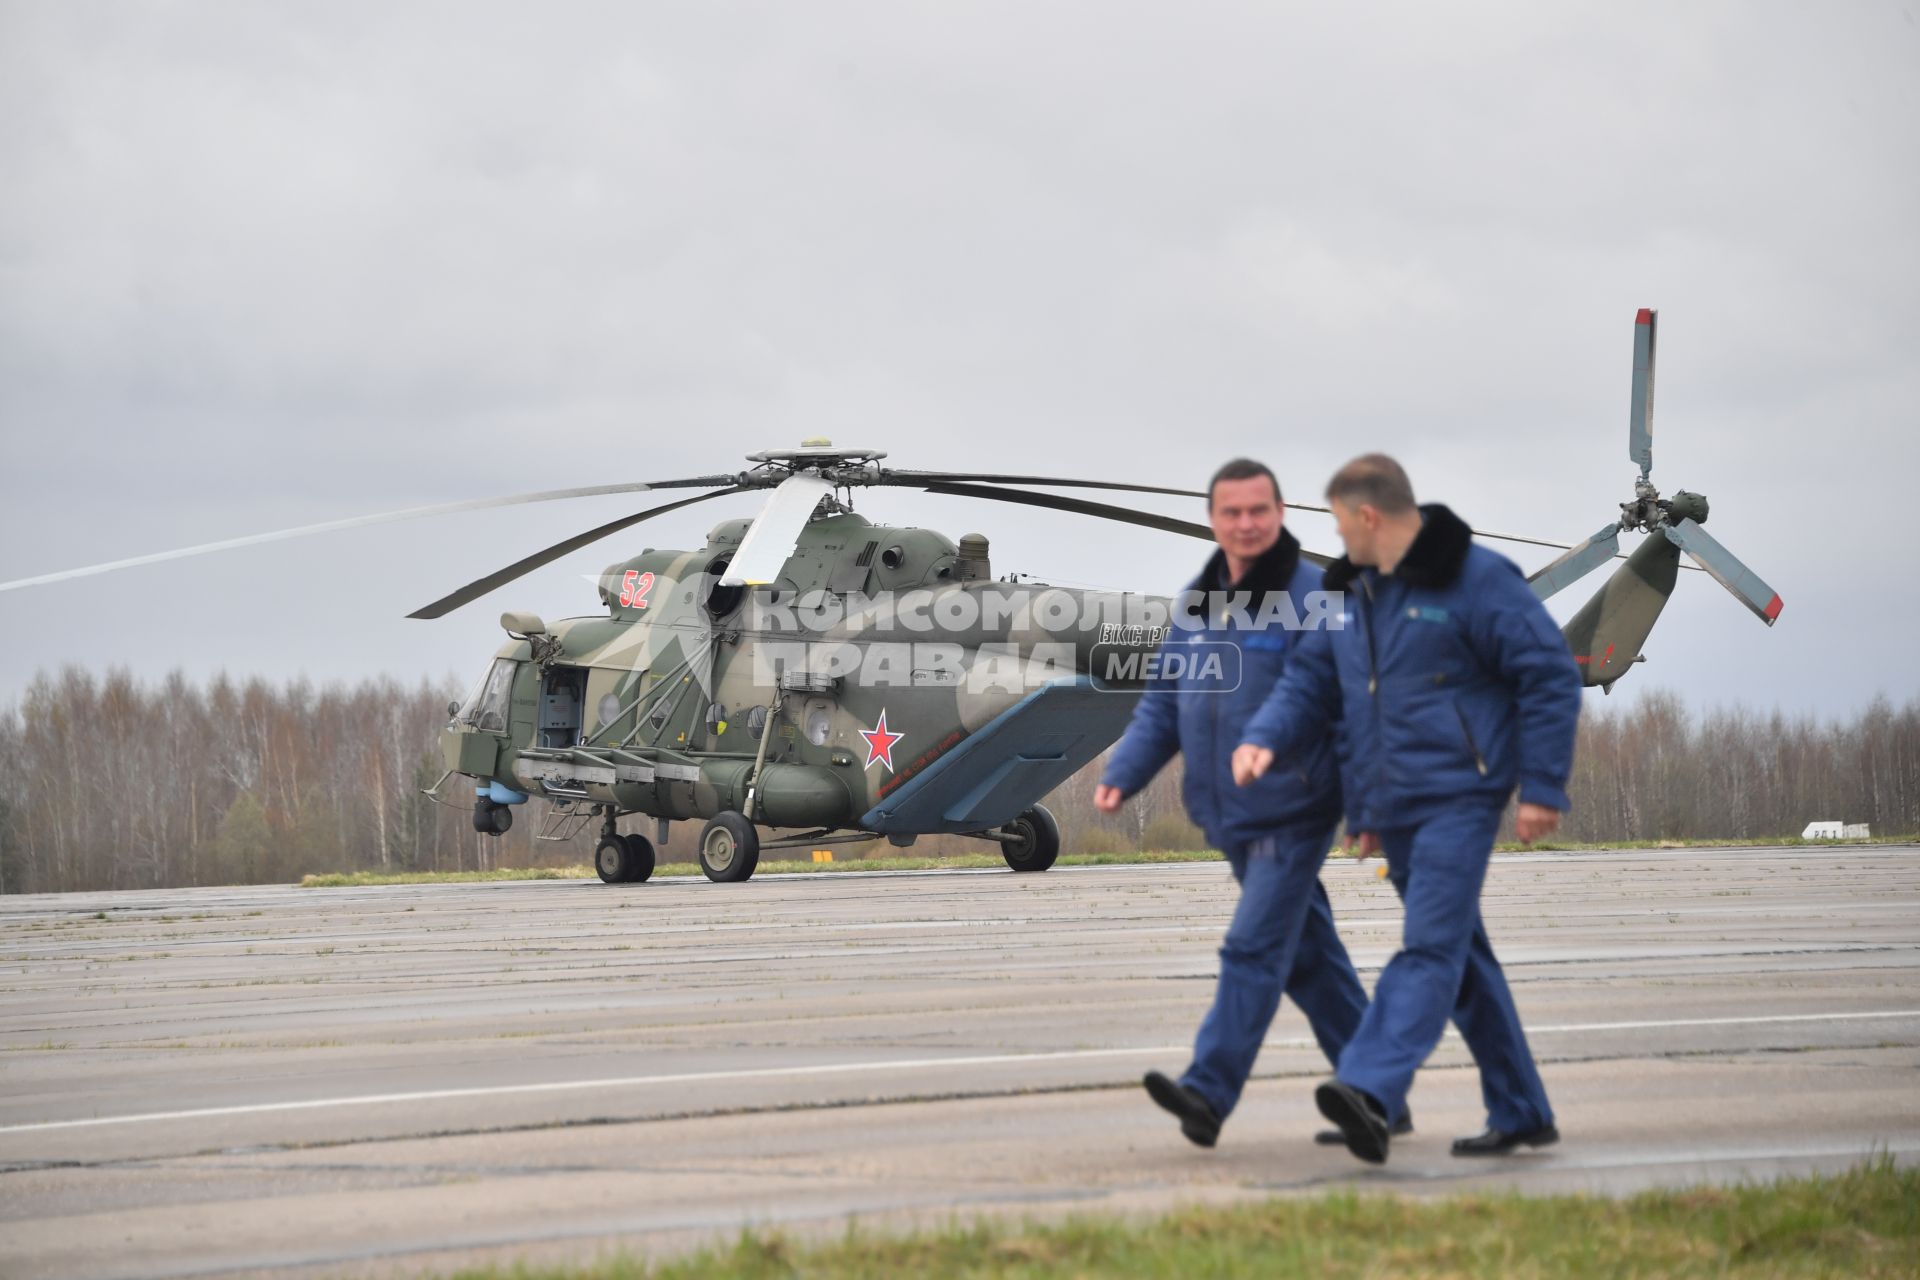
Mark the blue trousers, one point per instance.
(1445, 969)
(1282, 938)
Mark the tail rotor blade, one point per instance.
(1726, 569)
(1578, 562)
(1640, 418)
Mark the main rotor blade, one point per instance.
(915, 479)
(771, 537)
(1640, 414)
(1577, 563)
(354, 522)
(480, 586)
(1727, 569)
(1099, 510)
(1079, 506)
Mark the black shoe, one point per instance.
(1197, 1119)
(1362, 1122)
(1335, 1138)
(1498, 1142)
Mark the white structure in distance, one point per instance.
(1836, 831)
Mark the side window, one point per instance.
(487, 706)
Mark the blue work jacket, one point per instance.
(1196, 715)
(1450, 678)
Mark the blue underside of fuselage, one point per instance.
(1009, 763)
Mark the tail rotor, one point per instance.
(1607, 633)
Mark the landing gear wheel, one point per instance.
(729, 848)
(639, 858)
(491, 818)
(610, 858)
(1034, 840)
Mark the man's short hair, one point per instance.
(1373, 480)
(1243, 469)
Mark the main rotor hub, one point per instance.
(841, 468)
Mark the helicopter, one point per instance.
(809, 671)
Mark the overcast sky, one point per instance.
(269, 264)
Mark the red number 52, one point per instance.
(633, 589)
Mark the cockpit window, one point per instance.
(486, 707)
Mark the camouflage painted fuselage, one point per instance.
(878, 653)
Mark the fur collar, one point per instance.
(1434, 559)
(1273, 571)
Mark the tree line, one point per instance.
(112, 783)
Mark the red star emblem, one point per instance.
(880, 742)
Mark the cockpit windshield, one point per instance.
(486, 707)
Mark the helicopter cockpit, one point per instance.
(486, 707)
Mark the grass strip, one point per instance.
(1861, 1223)
(1755, 842)
(353, 879)
(348, 879)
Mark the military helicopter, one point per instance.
(810, 671)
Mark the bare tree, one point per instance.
(107, 782)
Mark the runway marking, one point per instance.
(848, 1068)
(1718, 1022)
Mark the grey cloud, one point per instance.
(262, 266)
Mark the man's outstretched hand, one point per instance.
(1249, 762)
(1107, 799)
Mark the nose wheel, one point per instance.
(623, 859)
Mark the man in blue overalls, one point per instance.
(1454, 686)
(1276, 833)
